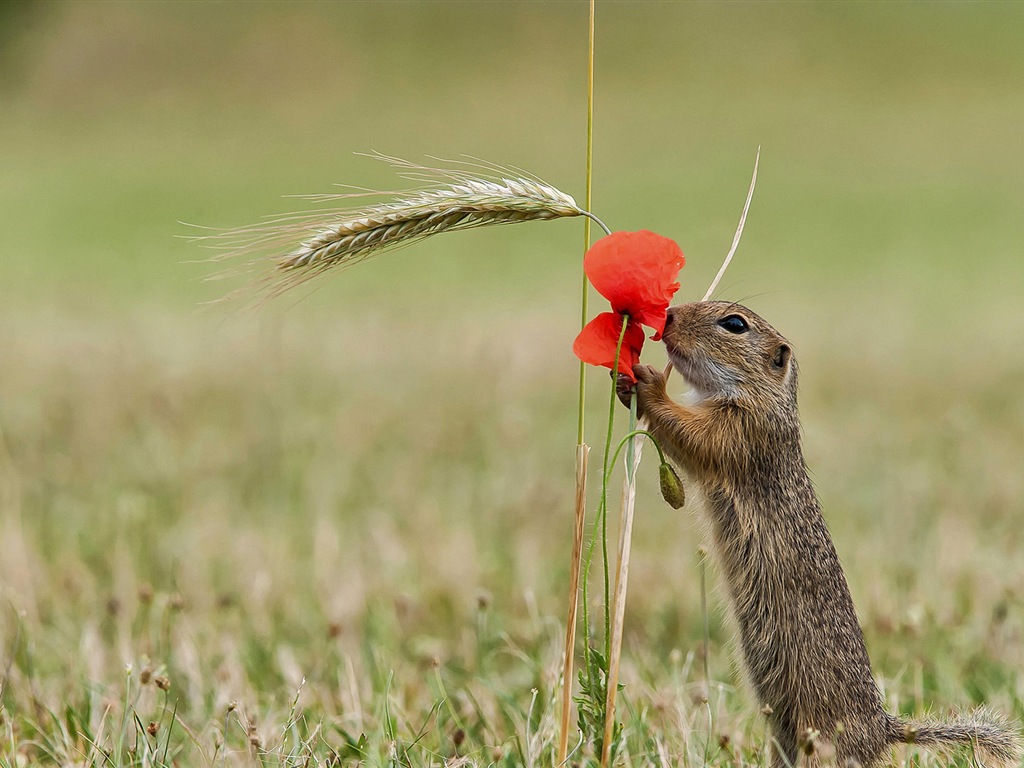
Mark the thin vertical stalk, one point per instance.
(707, 652)
(582, 450)
(582, 455)
(587, 197)
(602, 512)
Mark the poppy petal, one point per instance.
(636, 272)
(654, 317)
(597, 342)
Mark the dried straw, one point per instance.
(633, 457)
(739, 230)
(735, 242)
(626, 517)
(454, 199)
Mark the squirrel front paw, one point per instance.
(623, 388)
(649, 386)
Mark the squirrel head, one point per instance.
(726, 352)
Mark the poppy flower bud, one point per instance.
(671, 487)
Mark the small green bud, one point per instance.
(671, 487)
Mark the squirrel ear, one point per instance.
(781, 356)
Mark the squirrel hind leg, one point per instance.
(995, 739)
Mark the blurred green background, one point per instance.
(405, 433)
(892, 152)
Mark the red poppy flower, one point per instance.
(636, 272)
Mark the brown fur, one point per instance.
(739, 444)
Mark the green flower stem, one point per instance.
(636, 433)
(604, 493)
(602, 515)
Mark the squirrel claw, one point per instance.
(647, 377)
(624, 388)
(650, 386)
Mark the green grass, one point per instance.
(371, 489)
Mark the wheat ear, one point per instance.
(454, 199)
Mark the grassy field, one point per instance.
(338, 529)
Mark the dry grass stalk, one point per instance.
(619, 600)
(735, 242)
(739, 231)
(628, 501)
(579, 525)
(453, 199)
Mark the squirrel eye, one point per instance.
(734, 324)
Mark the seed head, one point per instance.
(304, 246)
(808, 741)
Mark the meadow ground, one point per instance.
(338, 529)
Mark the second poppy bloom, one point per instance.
(636, 272)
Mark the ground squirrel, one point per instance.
(738, 444)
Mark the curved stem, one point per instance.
(739, 230)
(635, 433)
(597, 221)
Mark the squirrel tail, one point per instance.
(993, 736)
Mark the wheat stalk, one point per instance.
(582, 449)
(454, 199)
